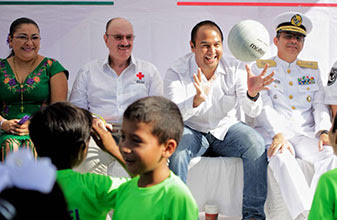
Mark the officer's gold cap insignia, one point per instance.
(296, 20)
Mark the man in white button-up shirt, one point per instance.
(107, 86)
(208, 89)
(294, 120)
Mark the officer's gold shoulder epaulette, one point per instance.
(262, 63)
(307, 64)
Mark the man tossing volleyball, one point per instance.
(208, 88)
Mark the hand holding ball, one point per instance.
(248, 40)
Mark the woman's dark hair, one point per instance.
(15, 25)
(60, 131)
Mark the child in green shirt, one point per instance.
(324, 205)
(151, 130)
(61, 131)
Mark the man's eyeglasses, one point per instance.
(289, 36)
(25, 38)
(119, 37)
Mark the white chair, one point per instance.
(220, 180)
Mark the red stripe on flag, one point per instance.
(265, 4)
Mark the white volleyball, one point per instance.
(248, 40)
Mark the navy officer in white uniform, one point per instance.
(294, 120)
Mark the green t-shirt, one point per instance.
(325, 199)
(89, 196)
(168, 200)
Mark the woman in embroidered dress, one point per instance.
(27, 82)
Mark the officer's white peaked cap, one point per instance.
(293, 22)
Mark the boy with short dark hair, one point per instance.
(151, 130)
(61, 131)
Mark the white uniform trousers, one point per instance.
(296, 191)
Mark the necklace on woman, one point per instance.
(21, 82)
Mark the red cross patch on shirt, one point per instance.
(140, 75)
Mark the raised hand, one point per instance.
(257, 83)
(103, 138)
(202, 89)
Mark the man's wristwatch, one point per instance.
(253, 98)
(323, 132)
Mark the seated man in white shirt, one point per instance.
(107, 86)
(294, 120)
(207, 89)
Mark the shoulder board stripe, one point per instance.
(307, 64)
(262, 63)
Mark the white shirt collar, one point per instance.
(132, 61)
(284, 63)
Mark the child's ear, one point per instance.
(169, 148)
(82, 153)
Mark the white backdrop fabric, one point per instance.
(73, 34)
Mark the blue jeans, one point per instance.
(240, 141)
